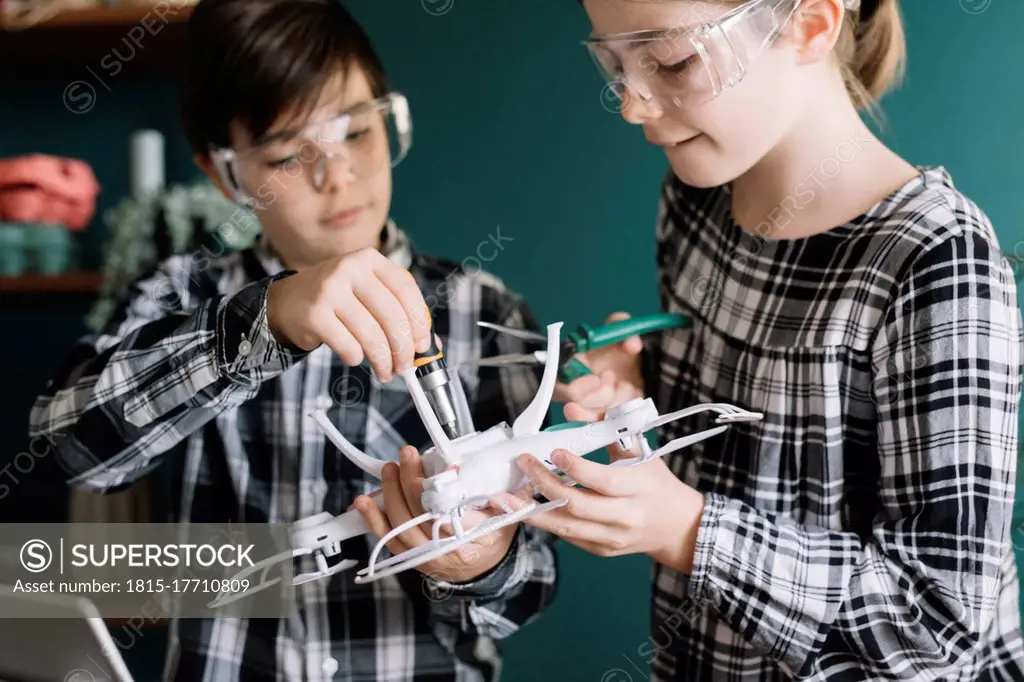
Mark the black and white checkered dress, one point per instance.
(862, 530)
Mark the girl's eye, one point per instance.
(356, 134)
(679, 67)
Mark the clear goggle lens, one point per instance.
(361, 143)
(691, 65)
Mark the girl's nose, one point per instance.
(637, 110)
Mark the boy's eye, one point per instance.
(281, 162)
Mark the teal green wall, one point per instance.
(511, 131)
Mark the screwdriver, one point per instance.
(432, 372)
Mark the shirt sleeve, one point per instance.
(157, 373)
(910, 597)
(522, 585)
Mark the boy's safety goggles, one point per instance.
(360, 143)
(693, 63)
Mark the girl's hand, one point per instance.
(642, 509)
(616, 378)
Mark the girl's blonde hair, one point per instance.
(872, 51)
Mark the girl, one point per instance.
(861, 530)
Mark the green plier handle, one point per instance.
(585, 338)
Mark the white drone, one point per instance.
(470, 471)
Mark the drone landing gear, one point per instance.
(439, 546)
(225, 598)
(324, 571)
(263, 568)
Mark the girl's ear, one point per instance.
(815, 29)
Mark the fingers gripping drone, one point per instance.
(471, 471)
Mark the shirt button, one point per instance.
(330, 666)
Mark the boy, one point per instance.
(213, 364)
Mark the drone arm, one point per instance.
(324, 528)
(370, 465)
(533, 416)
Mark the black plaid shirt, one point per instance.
(862, 530)
(188, 374)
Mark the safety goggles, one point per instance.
(691, 65)
(360, 143)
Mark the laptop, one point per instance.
(66, 641)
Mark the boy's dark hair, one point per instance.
(255, 60)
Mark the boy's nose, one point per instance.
(332, 171)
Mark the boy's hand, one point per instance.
(616, 378)
(360, 305)
(403, 487)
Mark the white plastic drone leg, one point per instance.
(395, 532)
(263, 567)
(532, 417)
(462, 410)
(687, 441)
(727, 414)
(417, 557)
(370, 465)
(419, 399)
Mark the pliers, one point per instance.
(584, 338)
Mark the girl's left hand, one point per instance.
(623, 510)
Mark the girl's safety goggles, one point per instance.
(363, 141)
(692, 64)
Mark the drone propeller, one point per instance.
(513, 331)
(438, 546)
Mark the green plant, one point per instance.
(143, 231)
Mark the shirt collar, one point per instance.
(395, 245)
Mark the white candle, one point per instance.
(147, 162)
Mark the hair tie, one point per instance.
(867, 10)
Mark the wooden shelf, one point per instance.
(70, 282)
(96, 47)
(119, 15)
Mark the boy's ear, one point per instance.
(816, 29)
(206, 165)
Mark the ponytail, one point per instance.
(873, 51)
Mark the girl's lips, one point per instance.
(673, 145)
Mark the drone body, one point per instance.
(471, 471)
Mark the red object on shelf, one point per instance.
(47, 189)
(33, 205)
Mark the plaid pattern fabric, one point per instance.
(188, 374)
(862, 530)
